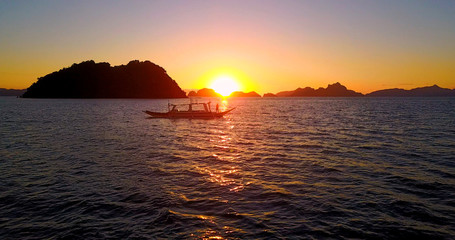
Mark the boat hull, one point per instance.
(193, 115)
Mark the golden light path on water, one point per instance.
(217, 160)
(221, 140)
(221, 160)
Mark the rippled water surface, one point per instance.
(304, 168)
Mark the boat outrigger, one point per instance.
(196, 112)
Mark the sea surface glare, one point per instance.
(298, 168)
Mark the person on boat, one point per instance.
(217, 108)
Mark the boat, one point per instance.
(191, 110)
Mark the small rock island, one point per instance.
(205, 92)
(100, 80)
(242, 94)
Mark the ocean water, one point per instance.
(300, 168)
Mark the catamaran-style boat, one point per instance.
(193, 110)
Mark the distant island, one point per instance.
(242, 94)
(269, 95)
(332, 90)
(11, 92)
(433, 91)
(99, 80)
(337, 90)
(205, 92)
(208, 92)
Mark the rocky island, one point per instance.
(100, 80)
(208, 92)
(11, 92)
(242, 94)
(432, 91)
(269, 95)
(205, 92)
(332, 90)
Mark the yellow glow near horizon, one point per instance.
(224, 85)
(224, 80)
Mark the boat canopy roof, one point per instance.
(186, 104)
(206, 107)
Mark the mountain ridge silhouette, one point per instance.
(332, 90)
(11, 92)
(429, 91)
(148, 80)
(100, 80)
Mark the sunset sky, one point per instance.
(266, 46)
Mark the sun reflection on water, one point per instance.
(228, 174)
(207, 235)
(217, 160)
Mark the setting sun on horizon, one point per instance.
(225, 85)
(223, 79)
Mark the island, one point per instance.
(100, 80)
(11, 92)
(242, 94)
(208, 92)
(205, 92)
(332, 90)
(432, 91)
(269, 95)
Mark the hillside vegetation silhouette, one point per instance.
(99, 80)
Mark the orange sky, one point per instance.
(268, 46)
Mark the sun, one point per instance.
(224, 85)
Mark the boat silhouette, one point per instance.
(192, 111)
